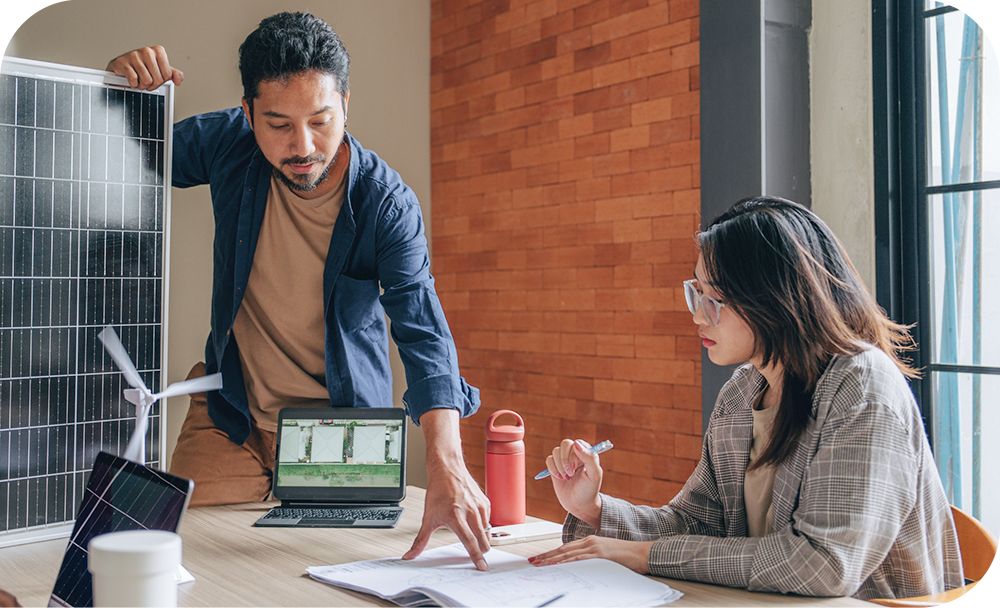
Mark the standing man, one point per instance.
(308, 226)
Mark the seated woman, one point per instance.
(815, 475)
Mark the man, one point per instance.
(308, 225)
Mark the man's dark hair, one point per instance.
(287, 44)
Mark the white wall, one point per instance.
(389, 43)
(841, 146)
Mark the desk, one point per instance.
(237, 565)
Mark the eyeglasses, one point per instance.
(696, 299)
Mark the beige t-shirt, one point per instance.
(758, 483)
(280, 326)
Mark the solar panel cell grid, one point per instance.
(120, 495)
(81, 246)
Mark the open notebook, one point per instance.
(445, 577)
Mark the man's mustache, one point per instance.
(303, 160)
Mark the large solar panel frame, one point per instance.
(105, 227)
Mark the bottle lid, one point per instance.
(504, 432)
(135, 552)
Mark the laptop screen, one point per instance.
(340, 454)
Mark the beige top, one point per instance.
(758, 483)
(280, 326)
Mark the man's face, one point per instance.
(299, 125)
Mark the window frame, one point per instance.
(902, 219)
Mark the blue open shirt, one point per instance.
(378, 239)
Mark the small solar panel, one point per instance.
(120, 495)
(84, 196)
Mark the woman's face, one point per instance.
(731, 342)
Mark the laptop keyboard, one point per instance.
(332, 513)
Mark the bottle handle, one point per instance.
(493, 417)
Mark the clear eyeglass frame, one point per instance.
(695, 300)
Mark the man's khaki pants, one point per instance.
(223, 472)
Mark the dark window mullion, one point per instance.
(963, 187)
(915, 251)
(941, 10)
(958, 368)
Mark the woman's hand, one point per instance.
(576, 477)
(632, 554)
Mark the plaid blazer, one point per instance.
(858, 508)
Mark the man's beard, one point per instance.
(310, 186)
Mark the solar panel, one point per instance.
(84, 168)
(120, 495)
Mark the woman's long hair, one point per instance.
(784, 272)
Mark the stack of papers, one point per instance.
(445, 577)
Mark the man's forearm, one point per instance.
(444, 442)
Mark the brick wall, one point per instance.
(565, 176)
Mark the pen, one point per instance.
(600, 448)
(551, 600)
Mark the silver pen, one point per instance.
(600, 448)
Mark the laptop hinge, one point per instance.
(313, 504)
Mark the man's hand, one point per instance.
(6, 599)
(629, 553)
(454, 499)
(146, 68)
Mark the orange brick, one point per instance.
(651, 64)
(684, 56)
(591, 13)
(673, 469)
(686, 103)
(576, 126)
(653, 111)
(612, 73)
(668, 131)
(670, 35)
(576, 82)
(589, 57)
(632, 137)
(591, 145)
(687, 446)
(630, 46)
(617, 346)
(611, 119)
(683, 9)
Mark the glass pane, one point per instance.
(963, 76)
(965, 292)
(963, 461)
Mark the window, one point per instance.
(938, 229)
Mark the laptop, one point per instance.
(339, 468)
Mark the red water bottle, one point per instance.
(505, 470)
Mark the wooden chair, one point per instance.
(978, 548)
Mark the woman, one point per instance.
(815, 475)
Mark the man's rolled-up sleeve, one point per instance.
(417, 321)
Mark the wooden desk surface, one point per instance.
(237, 565)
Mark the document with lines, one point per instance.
(445, 577)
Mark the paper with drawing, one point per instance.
(446, 576)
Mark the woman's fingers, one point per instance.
(578, 549)
(591, 462)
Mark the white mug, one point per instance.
(135, 568)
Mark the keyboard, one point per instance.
(326, 513)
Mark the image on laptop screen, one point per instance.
(340, 453)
